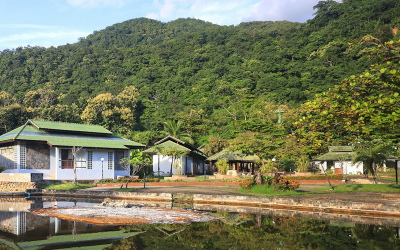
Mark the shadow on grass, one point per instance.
(302, 191)
(394, 186)
(355, 187)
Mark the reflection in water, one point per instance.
(241, 231)
(247, 228)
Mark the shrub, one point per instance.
(314, 177)
(246, 183)
(222, 165)
(124, 180)
(284, 184)
(106, 181)
(287, 164)
(2, 169)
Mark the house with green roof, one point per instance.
(340, 160)
(46, 147)
(192, 163)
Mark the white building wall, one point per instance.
(165, 165)
(348, 167)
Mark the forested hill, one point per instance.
(188, 65)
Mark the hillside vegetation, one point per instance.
(219, 80)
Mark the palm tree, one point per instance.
(374, 154)
(174, 129)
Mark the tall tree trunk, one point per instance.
(172, 163)
(74, 156)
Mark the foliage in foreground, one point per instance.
(66, 186)
(314, 177)
(124, 180)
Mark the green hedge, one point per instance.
(124, 180)
(315, 177)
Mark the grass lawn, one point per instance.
(357, 188)
(66, 186)
(268, 191)
(387, 178)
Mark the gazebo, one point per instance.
(237, 161)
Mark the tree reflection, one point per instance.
(244, 231)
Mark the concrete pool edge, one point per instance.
(387, 208)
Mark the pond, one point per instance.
(237, 228)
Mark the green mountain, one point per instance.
(190, 66)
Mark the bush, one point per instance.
(284, 184)
(314, 177)
(222, 165)
(125, 180)
(287, 165)
(106, 181)
(246, 183)
(2, 169)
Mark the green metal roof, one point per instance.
(336, 156)
(232, 156)
(29, 132)
(165, 145)
(340, 148)
(71, 127)
(172, 142)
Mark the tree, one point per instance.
(364, 107)
(133, 169)
(174, 153)
(158, 149)
(215, 145)
(374, 154)
(222, 165)
(263, 145)
(174, 129)
(12, 114)
(74, 153)
(114, 112)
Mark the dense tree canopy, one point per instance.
(212, 78)
(361, 107)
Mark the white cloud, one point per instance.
(221, 12)
(44, 39)
(276, 10)
(97, 3)
(41, 35)
(33, 26)
(233, 11)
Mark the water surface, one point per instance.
(238, 228)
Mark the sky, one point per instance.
(48, 23)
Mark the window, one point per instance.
(67, 159)
(90, 160)
(110, 160)
(22, 155)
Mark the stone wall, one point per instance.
(7, 157)
(37, 156)
(21, 177)
(18, 186)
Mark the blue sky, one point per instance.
(57, 22)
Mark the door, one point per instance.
(102, 165)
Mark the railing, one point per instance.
(69, 164)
